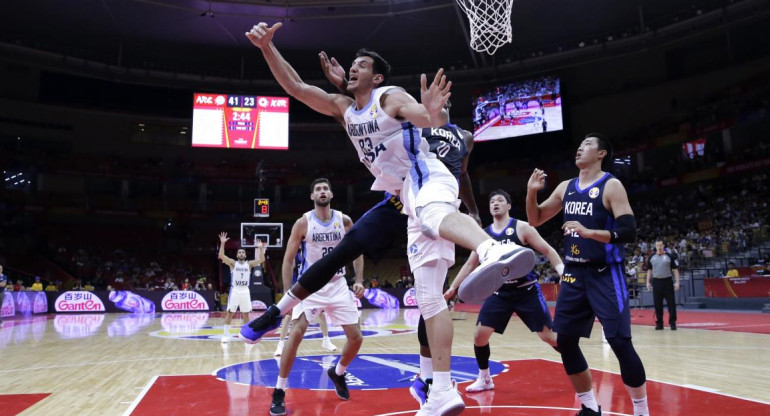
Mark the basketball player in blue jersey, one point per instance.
(240, 272)
(382, 123)
(598, 220)
(317, 232)
(522, 295)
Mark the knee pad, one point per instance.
(431, 304)
(422, 333)
(431, 216)
(571, 356)
(631, 368)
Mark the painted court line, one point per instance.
(406, 412)
(182, 357)
(678, 385)
(140, 396)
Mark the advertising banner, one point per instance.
(135, 302)
(78, 301)
(184, 300)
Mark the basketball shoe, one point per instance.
(588, 412)
(499, 263)
(420, 389)
(278, 407)
(443, 403)
(482, 383)
(327, 344)
(268, 321)
(340, 386)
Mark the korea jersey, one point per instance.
(240, 275)
(386, 146)
(586, 207)
(447, 144)
(320, 240)
(509, 236)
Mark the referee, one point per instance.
(659, 271)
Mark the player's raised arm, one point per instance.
(470, 264)
(259, 254)
(335, 73)
(529, 236)
(298, 232)
(466, 187)
(538, 214)
(226, 260)
(319, 100)
(429, 113)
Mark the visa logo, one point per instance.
(204, 99)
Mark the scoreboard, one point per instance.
(240, 121)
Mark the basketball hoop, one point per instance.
(490, 23)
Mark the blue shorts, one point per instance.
(589, 291)
(527, 302)
(380, 227)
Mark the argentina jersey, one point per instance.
(447, 144)
(509, 236)
(240, 275)
(320, 239)
(586, 207)
(386, 146)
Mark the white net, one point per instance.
(490, 23)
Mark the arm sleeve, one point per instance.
(625, 230)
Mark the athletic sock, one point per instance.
(589, 400)
(340, 369)
(484, 374)
(441, 380)
(640, 407)
(281, 383)
(287, 302)
(426, 367)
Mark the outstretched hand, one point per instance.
(537, 180)
(223, 237)
(435, 96)
(334, 72)
(261, 35)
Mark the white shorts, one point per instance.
(335, 299)
(239, 299)
(438, 185)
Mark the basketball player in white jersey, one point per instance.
(317, 232)
(240, 271)
(382, 122)
(290, 274)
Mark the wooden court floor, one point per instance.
(117, 364)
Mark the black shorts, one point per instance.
(527, 302)
(589, 291)
(379, 227)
